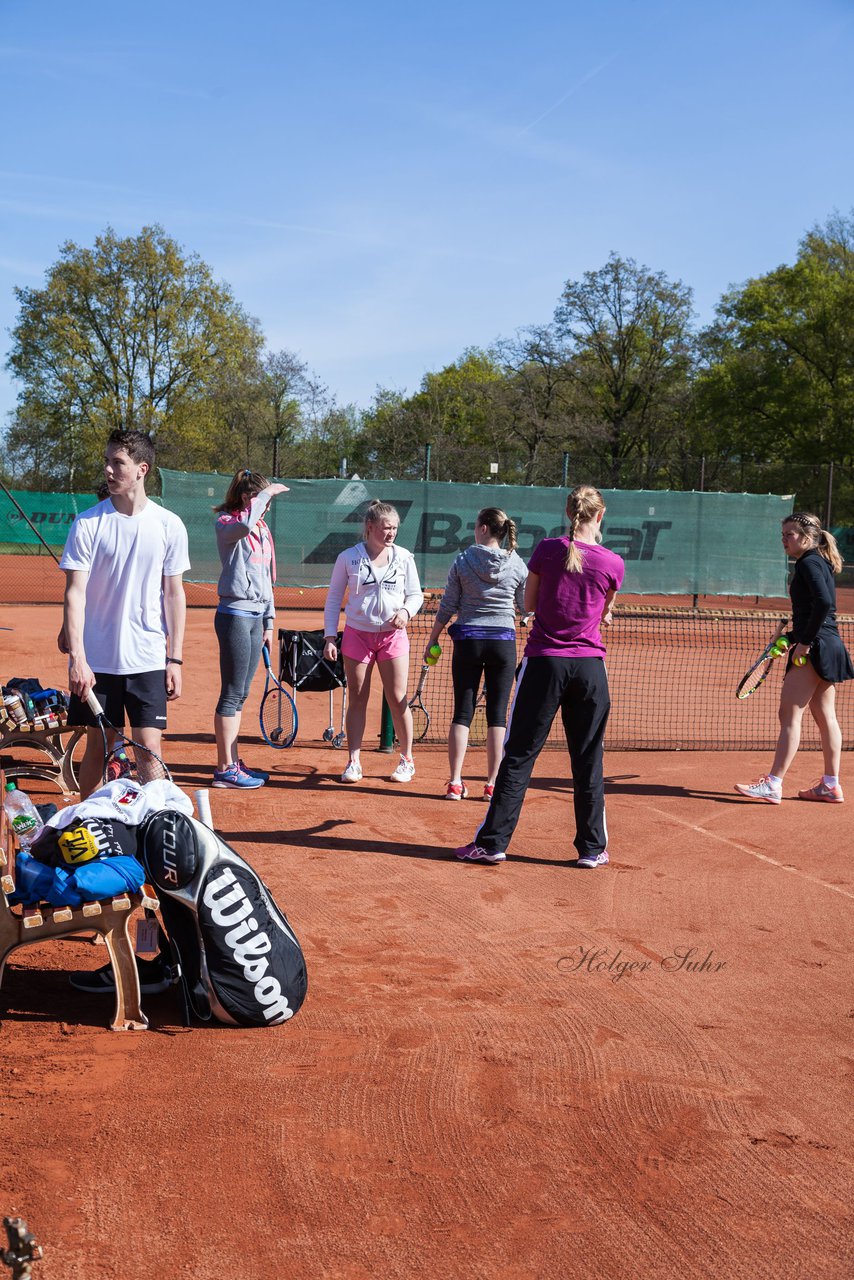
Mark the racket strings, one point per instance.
(277, 717)
(420, 723)
(132, 760)
(754, 678)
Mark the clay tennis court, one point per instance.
(469, 1089)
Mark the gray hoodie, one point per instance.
(246, 551)
(483, 584)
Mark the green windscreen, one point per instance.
(672, 543)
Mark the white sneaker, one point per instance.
(761, 790)
(405, 771)
(353, 772)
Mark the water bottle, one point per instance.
(23, 815)
(434, 653)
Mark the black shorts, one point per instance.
(142, 695)
(495, 660)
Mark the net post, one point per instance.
(386, 730)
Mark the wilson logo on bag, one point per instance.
(240, 960)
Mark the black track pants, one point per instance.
(578, 687)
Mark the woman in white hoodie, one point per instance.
(383, 594)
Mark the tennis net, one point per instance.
(673, 675)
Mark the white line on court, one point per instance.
(693, 826)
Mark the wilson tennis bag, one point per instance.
(240, 962)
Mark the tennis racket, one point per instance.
(126, 759)
(420, 714)
(278, 710)
(755, 677)
(478, 726)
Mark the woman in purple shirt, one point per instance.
(571, 585)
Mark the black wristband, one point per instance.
(179, 662)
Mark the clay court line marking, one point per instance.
(693, 826)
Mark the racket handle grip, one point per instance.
(94, 705)
(203, 807)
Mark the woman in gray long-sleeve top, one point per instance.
(245, 615)
(486, 586)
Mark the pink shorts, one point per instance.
(370, 646)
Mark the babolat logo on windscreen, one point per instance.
(445, 534)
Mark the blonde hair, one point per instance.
(820, 538)
(499, 525)
(377, 511)
(583, 505)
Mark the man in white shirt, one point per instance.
(124, 598)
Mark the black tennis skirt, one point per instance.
(829, 657)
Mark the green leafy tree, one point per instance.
(777, 380)
(629, 342)
(536, 406)
(128, 334)
(455, 411)
(286, 389)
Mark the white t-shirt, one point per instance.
(126, 558)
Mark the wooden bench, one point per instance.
(57, 745)
(23, 926)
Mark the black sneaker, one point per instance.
(154, 977)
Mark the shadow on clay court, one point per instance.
(45, 995)
(319, 838)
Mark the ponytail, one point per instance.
(573, 562)
(376, 511)
(583, 505)
(822, 539)
(499, 524)
(828, 548)
(245, 487)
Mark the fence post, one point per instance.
(565, 469)
(428, 449)
(386, 729)
(702, 489)
(829, 505)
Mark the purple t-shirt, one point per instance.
(569, 605)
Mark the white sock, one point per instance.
(775, 782)
(830, 782)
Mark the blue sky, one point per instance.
(385, 184)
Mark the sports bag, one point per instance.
(303, 665)
(239, 959)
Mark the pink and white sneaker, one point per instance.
(764, 789)
(474, 853)
(821, 791)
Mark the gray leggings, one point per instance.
(239, 654)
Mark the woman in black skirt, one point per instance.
(817, 662)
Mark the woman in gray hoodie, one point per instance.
(486, 585)
(245, 616)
